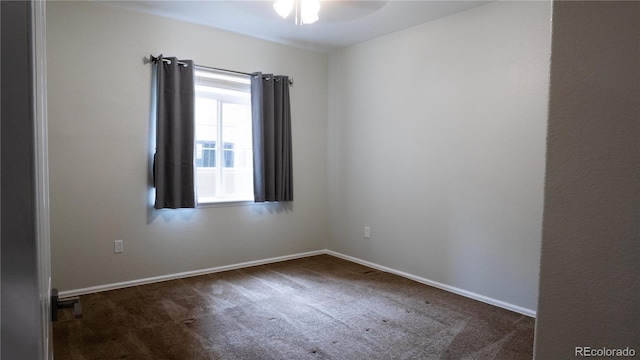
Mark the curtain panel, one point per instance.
(175, 127)
(272, 153)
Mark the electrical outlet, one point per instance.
(367, 232)
(118, 246)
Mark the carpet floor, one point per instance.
(319, 307)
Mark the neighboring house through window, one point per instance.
(206, 154)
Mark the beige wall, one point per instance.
(589, 272)
(437, 142)
(99, 106)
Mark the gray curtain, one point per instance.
(272, 159)
(173, 160)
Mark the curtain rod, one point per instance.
(155, 60)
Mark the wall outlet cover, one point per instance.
(118, 246)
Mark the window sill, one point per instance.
(225, 203)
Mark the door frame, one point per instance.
(41, 164)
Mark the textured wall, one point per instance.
(99, 107)
(436, 141)
(589, 273)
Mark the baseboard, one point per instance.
(451, 289)
(125, 284)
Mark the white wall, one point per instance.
(99, 106)
(437, 142)
(589, 269)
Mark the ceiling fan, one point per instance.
(307, 11)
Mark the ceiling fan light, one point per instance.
(283, 7)
(309, 11)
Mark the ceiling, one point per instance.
(342, 22)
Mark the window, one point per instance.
(224, 156)
(206, 154)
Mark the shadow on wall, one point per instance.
(186, 214)
(271, 208)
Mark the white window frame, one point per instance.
(224, 88)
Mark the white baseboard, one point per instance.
(451, 289)
(182, 275)
(455, 290)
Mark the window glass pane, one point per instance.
(237, 153)
(224, 156)
(206, 138)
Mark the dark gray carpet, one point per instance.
(319, 307)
